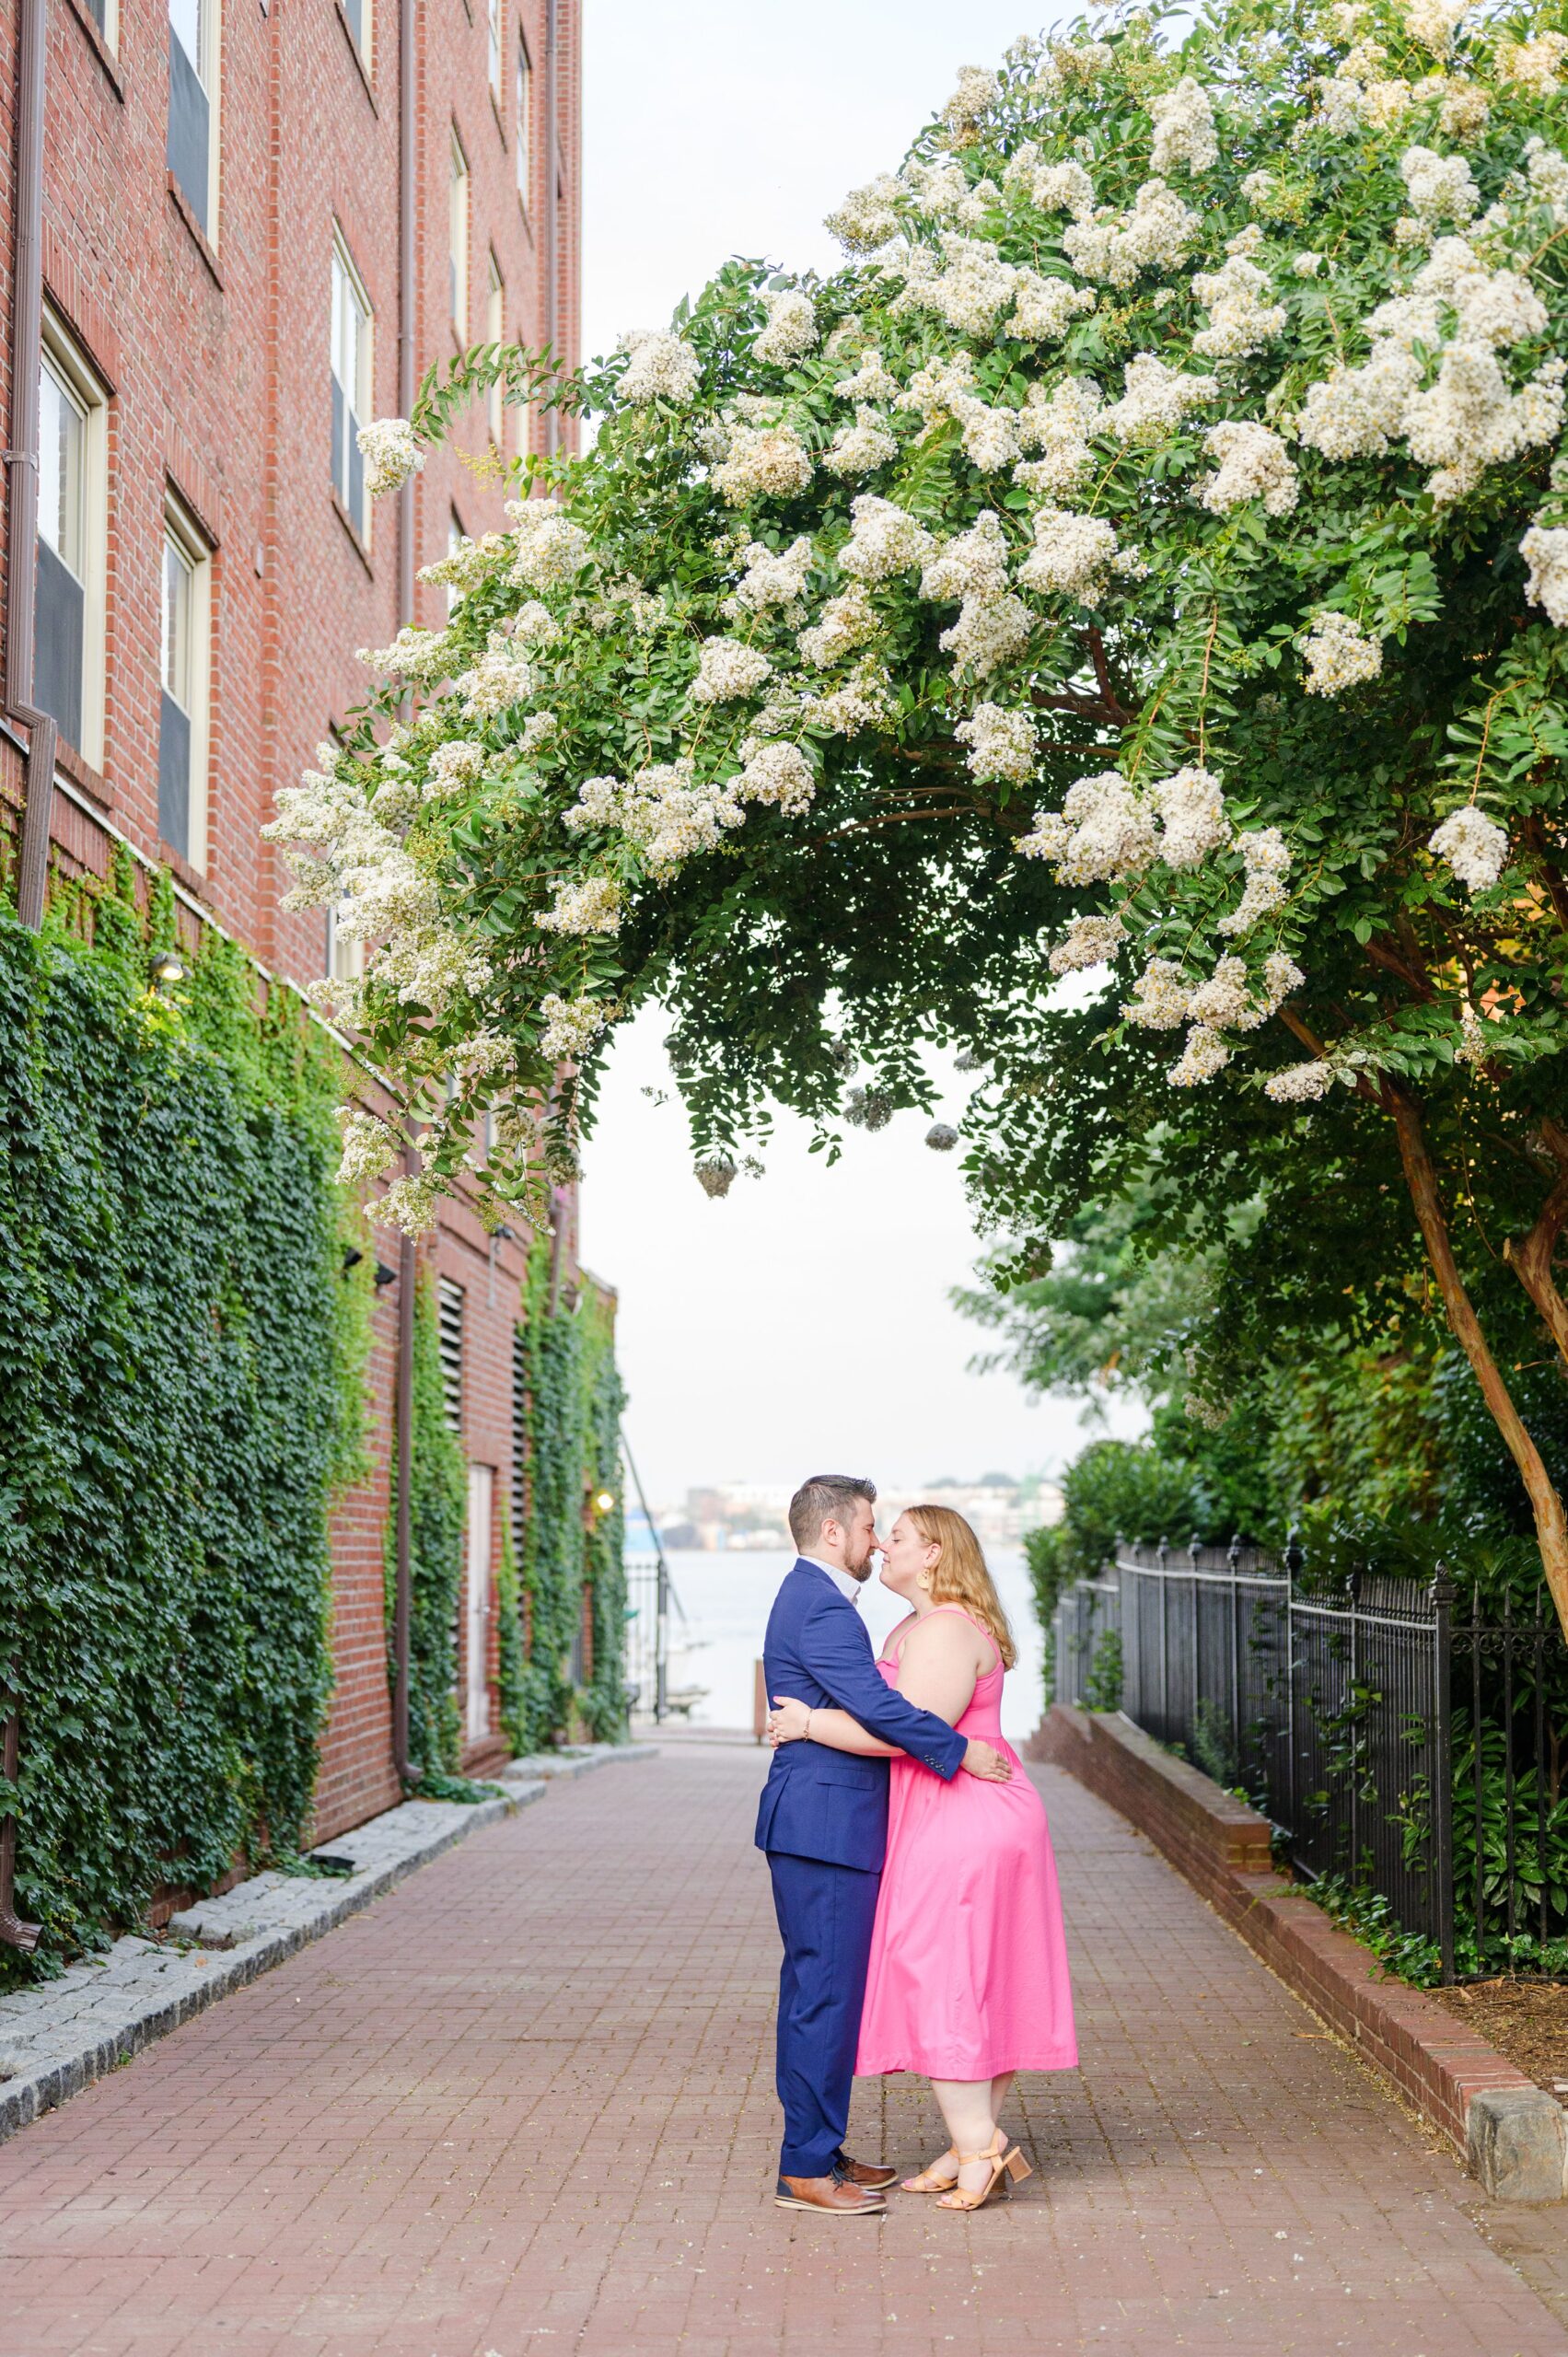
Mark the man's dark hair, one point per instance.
(826, 1497)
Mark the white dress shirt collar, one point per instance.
(845, 1582)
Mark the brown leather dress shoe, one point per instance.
(831, 2194)
(870, 2174)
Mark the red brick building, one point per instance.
(261, 220)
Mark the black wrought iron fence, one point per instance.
(1406, 1738)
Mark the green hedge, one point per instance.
(181, 1363)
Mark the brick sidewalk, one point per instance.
(525, 2105)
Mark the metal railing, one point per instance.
(1350, 1713)
(650, 1595)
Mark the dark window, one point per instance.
(189, 107)
(60, 632)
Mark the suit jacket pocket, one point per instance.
(837, 1769)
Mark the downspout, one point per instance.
(402, 1607)
(551, 213)
(22, 581)
(22, 459)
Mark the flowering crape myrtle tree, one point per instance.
(1147, 554)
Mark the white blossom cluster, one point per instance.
(977, 92)
(1089, 941)
(1160, 996)
(869, 216)
(870, 381)
(1184, 128)
(1545, 551)
(570, 1025)
(1046, 307)
(1205, 1052)
(1240, 321)
(1339, 654)
(584, 904)
(551, 549)
(1474, 846)
(1252, 463)
(1113, 249)
(1104, 832)
(660, 369)
(666, 812)
(455, 766)
(884, 540)
(771, 580)
(973, 564)
(1003, 744)
(369, 1147)
(1059, 422)
(862, 699)
(1535, 65)
(726, 669)
(1192, 817)
(1299, 1083)
(764, 462)
(790, 327)
(1072, 557)
(1053, 188)
(501, 677)
(1155, 402)
(861, 448)
(988, 633)
(420, 657)
(391, 452)
(776, 774)
(1265, 860)
(845, 623)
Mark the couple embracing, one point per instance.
(911, 1868)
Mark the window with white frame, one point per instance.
(345, 951)
(72, 546)
(457, 238)
(104, 15)
(525, 122)
(495, 332)
(182, 724)
(494, 17)
(359, 16)
(193, 32)
(351, 385)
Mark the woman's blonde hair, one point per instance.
(959, 1575)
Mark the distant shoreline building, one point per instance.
(748, 1518)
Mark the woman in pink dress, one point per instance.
(968, 1979)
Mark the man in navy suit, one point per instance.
(823, 1823)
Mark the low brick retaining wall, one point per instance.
(1512, 2134)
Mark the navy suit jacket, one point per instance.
(833, 1805)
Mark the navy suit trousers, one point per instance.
(825, 1916)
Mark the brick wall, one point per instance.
(214, 355)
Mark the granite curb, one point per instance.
(57, 2036)
(1511, 2133)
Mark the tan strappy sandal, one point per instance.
(927, 2181)
(1006, 2161)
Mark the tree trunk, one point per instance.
(1550, 1520)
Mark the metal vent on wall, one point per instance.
(449, 1308)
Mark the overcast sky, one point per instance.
(802, 1323)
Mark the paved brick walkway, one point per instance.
(524, 2106)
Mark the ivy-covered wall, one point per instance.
(181, 1356)
(572, 1406)
(437, 1513)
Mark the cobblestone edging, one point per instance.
(1513, 2135)
(57, 2038)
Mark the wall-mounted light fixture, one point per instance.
(166, 968)
(385, 1276)
(604, 1501)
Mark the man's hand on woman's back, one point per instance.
(980, 1759)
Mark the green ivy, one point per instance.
(180, 1362)
(437, 1513)
(571, 1450)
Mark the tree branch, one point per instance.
(1421, 1177)
(1109, 696)
(1530, 1259)
(1397, 966)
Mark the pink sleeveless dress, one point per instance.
(968, 1964)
